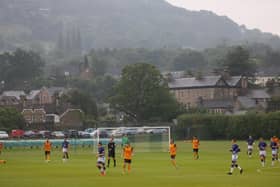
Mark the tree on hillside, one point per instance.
(142, 93)
(10, 118)
(189, 60)
(99, 66)
(238, 62)
(20, 66)
(82, 100)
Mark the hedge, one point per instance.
(218, 127)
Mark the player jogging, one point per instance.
(65, 146)
(195, 145)
(111, 152)
(47, 149)
(234, 157)
(262, 151)
(100, 164)
(172, 151)
(127, 155)
(250, 143)
(274, 151)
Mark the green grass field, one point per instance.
(27, 168)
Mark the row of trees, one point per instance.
(239, 59)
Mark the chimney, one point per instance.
(226, 75)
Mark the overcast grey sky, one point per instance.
(261, 14)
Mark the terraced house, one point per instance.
(216, 93)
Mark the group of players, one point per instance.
(262, 146)
(127, 152)
(100, 164)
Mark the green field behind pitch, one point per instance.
(26, 168)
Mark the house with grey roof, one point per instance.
(14, 93)
(190, 91)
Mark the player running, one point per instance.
(234, 157)
(127, 155)
(100, 164)
(47, 149)
(274, 150)
(195, 145)
(111, 152)
(65, 147)
(172, 151)
(250, 143)
(262, 151)
(276, 140)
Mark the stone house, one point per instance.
(9, 101)
(39, 97)
(191, 91)
(34, 115)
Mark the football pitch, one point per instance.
(26, 167)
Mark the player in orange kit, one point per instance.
(47, 149)
(173, 151)
(127, 155)
(195, 145)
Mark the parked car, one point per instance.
(140, 130)
(89, 130)
(101, 133)
(31, 134)
(156, 131)
(4, 135)
(17, 133)
(45, 134)
(57, 134)
(84, 134)
(71, 133)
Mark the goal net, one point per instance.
(142, 139)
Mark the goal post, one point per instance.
(143, 139)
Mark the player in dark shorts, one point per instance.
(250, 143)
(111, 152)
(100, 164)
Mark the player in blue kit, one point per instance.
(274, 151)
(65, 146)
(262, 151)
(234, 157)
(250, 143)
(101, 159)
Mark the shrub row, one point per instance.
(215, 127)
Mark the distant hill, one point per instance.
(117, 24)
